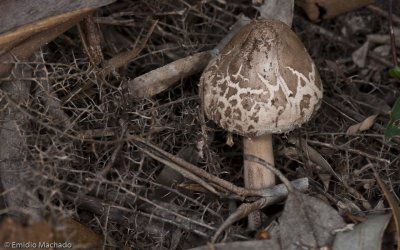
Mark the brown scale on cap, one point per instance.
(262, 82)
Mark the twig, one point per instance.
(123, 58)
(340, 39)
(278, 173)
(354, 151)
(383, 13)
(117, 150)
(177, 193)
(280, 193)
(184, 172)
(27, 47)
(162, 78)
(391, 32)
(114, 63)
(183, 166)
(314, 156)
(14, 168)
(51, 100)
(119, 214)
(190, 171)
(90, 38)
(352, 115)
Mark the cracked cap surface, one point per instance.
(263, 81)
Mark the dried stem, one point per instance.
(391, 31)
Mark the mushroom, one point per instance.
(262, 82)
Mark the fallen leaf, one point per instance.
(392, 204)
(308, 222)
(362, 126)
(365, 236)
(314, 156)
(325, 179)
(359, 56)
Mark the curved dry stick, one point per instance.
(160, 79)
(224, 185)
(278, 173)
(278, 193)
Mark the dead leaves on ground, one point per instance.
(393, 206)
(308, 222)
(366, 124)
(366, 235)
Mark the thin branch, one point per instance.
(280, 193)
(391, 32)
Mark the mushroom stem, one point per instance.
(257, 176)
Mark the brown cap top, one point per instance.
(263, 81)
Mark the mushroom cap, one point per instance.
(263, 81)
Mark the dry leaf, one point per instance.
(359, 56)
(308, 222)
(326, 179)
(314, 156)
(393, 206)
(365, 236)
(362, 126)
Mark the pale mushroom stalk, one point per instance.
(257, 176)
